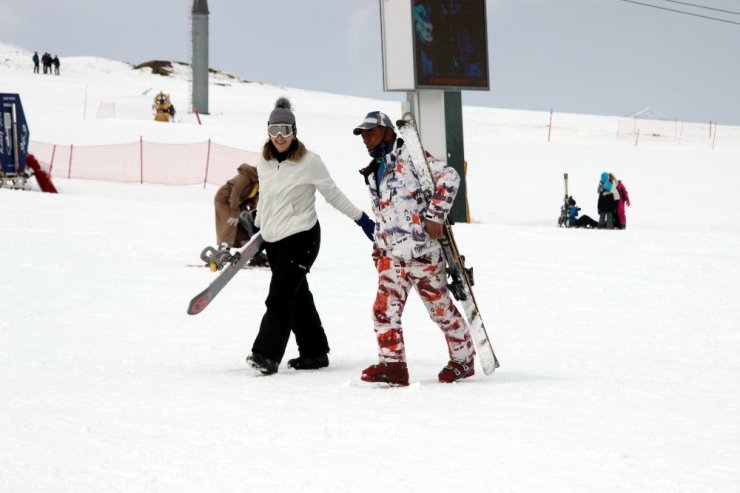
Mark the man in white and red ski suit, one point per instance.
(407, 253)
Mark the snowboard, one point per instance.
(460, 277)
(244, 267)
(234, 265)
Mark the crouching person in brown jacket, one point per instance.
(240, 193)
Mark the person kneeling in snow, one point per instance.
(585, 221)
(240, 193)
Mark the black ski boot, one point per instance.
(266, 366)
(309, 363)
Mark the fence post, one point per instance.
(141, 158)
(69, 167)
(51, 164)
(208, 162)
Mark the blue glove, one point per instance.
(367, 225)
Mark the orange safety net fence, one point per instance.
(144, 162)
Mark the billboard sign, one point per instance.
(434, 44)
(450, 44)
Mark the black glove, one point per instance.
(367, 225)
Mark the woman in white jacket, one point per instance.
(289, 176)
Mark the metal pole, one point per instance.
(16, 149)
(141, 158)
(208, 162)
(84, 105)
(51, 164)
(69, 167)
(453, 127)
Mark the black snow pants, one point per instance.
(290, 305)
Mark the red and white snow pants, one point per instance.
(428, 277)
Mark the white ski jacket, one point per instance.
(400, 207)
(288, 196)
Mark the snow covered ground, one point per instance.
(619, 349)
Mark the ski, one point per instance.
(564, 221)
(244, 267)
(235, 264)
(461, 277)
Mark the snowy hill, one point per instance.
(618, 348)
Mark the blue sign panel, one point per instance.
(14, 135)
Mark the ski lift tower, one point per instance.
(199, 62)
(433, 50)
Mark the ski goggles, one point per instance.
(284, 129)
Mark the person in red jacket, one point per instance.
(624, 199)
